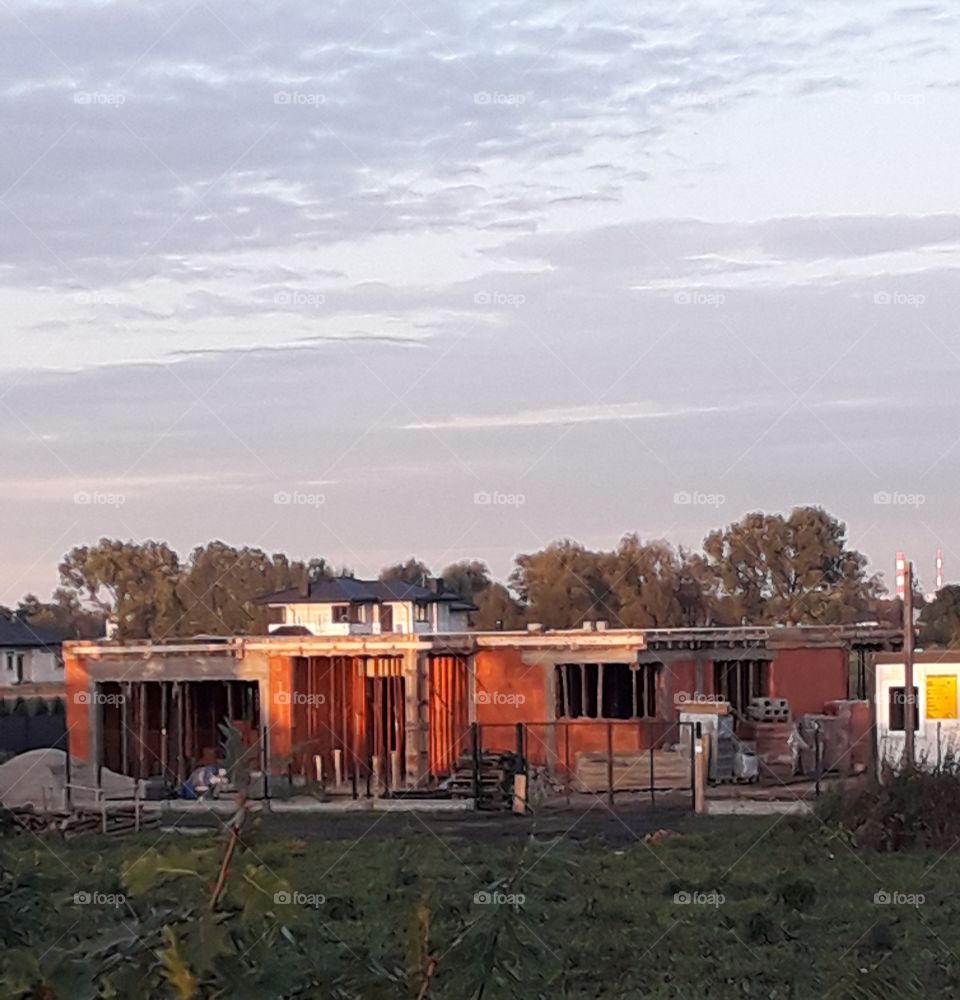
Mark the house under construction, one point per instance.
(400, 707)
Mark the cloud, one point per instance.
(560, 416)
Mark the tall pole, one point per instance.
(909, 706)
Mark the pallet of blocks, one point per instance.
(631, 771)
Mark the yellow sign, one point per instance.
(941, 696)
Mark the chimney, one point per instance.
(304, 588)
(436, 585)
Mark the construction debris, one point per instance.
(74, 822)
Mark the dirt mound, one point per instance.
(38, 777)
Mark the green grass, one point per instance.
(793, 915)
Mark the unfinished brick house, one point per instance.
(401, 706)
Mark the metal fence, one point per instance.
(647, 756)
(21, 731)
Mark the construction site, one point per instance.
(489, 721)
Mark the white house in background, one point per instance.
(28, 655)
(345, 606)
(936, 701)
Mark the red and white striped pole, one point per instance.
(901, 576)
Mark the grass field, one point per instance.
(771, 908)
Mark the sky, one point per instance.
(369, 280)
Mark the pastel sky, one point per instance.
(365, 280)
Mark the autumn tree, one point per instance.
(497, 609)
(64, 615)
(646, 581)
(768, 569)
(564, 585)
(219, 586)
(412, 571)
(467, 578)
(940, 619)
(134, 582)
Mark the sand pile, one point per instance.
(38, 777)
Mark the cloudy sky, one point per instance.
(369, 279)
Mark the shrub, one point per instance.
(908, 808)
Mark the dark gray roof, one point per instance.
(347, 590)
(15, 632)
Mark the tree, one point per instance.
(64, 615)
(466, 578)
(769, 569)
(135, 582)
(219, 587)
(564, 585)
(645, 580)
(940, 619)
(497, 609)
(412, 571)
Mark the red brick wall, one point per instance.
(77, 683)
(280, 710)
(809, 678)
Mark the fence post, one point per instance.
(653, 791)
(475, 762)
(699, 771)
(818, 759)
(693, 765)
(266, 764)
(610, 792)
(566, 758)
(68, 791)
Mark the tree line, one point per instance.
(764, 569)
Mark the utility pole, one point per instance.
(909, 704)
